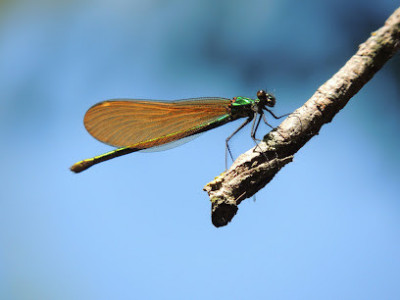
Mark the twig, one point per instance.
(254, 169)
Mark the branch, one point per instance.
(255, 168)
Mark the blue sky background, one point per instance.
(139, 226)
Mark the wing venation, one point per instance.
(122, 123)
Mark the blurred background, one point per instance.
(139, 226)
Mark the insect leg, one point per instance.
(276, 117)
(266, 122)
(254, 129)
(227, 148)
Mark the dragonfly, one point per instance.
(133, 125)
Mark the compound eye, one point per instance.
(271, 101)
(262, 95)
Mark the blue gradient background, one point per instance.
(138, 227)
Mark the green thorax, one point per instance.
(243, 101)
(241, 107)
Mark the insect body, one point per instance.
(134, 125)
